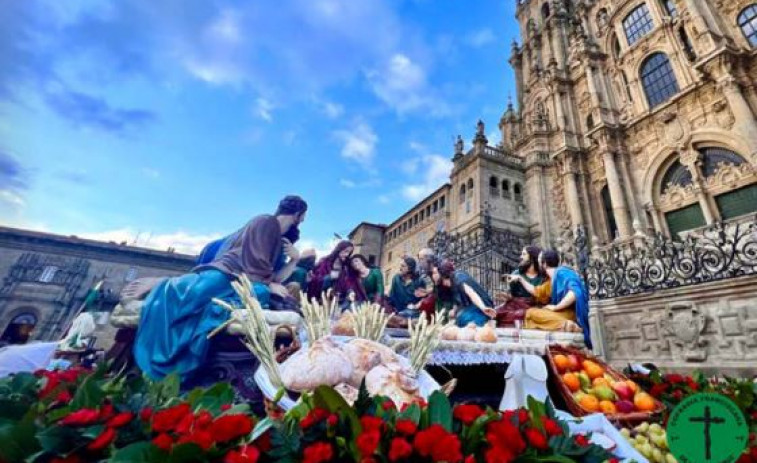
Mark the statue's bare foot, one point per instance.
(571, 327)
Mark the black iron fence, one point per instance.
(486, 254)
(641, 264)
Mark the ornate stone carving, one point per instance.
(729, 174)
(686, 323)
(677, 195)
(723, 115)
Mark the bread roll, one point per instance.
(321, 363)
(394, 381)
(487, 333)
(468, 333)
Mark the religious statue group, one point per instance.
(179, 313)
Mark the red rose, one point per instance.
(246, 454)
(73, 458)
(103, 440)
(522, 417)
(425, 440)
(63, 397)
(315, 416)
(371, 423)
(658, 389)
(200, 437)
(694, 386)
(120, 420)
(317, 453)
(83, 417)
(405, 427)
(399, 449)
(674, 378)
(613, 460)
(506, 434)
(498, 454)
(185, 424)
(51, 382)
(145, 414)
(388, 405)
(225, 407)
(166, 420)
(368, 442)
(678, 394)
(163, 442)
(447, 449)
(264, 442)
(467, 413)
(230, 427)
(332, 420)
(551, 426)
(581, 440)
(203, 420)
(508, 415)
(470, 459)
(107, 411)
(537, 439)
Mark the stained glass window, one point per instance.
(638, 23)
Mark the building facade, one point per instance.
(635, 116)
(46, 277)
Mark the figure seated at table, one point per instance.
(334, 272)
(405, 285)
(178, 313)
(370, 277)
(302, 274)
(519, 300)
(568, 309)
(457, 293)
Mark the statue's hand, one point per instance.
(278, 289)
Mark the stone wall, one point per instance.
(710, 327)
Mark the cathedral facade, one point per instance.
(633, 117)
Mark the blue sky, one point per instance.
(172, 122)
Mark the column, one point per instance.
(742, 112)
(558, 43)
(619, 206)
(629, 184)
(592, 85)
(571, 193)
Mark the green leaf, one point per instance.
(58, 439)
(440, 410)
(18, 440)
(537, 410)
(327, 398)
(412, 413)
(260, 428)
(89, 394)
(186, 453)
(363, 402)
(138, 452)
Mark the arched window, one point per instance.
(676, 175)
(615, 46)
(713, 158)
(470, 185)
(638, 23)
(612, 226)
(748, 24)
(658, 79)
(493, 186)
(517, 192)
(545, 10)
(506, 189)
(19, 330)
(670, 8)
(462, 194)
(589, 122)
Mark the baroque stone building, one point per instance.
(632, 117)
(46, 277)
(635, 116)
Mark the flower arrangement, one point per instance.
(79, 415)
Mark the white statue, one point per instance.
(526, 376)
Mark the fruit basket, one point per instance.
(588, 385)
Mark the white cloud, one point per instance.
(333, 110)
(402, 84)
(383, 199)
(322, 248)
(263, 109)
(358, 144)
(151, 173)
(410, 166)
(435, 170)
(347, 183)
(181, 241)
(371, 182)
(13, 199)
(480, 38)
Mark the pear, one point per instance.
(669, 458)
(655, 428)
(585, 381)
(604, 393)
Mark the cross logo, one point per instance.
(708, 420)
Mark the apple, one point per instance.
(624, 406)
(623, 390)
(574, 364)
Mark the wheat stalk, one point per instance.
(256, 331)
(370, 321)
(317, 315)
(424, 338)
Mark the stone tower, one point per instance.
(634, 116)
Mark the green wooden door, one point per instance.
(685, 219)
(737, 202)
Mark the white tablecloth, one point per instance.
(467, 353)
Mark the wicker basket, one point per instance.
(575, 408)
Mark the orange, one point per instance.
(572, 381)
(634, 387)
(561, 362)
(607, 407)
(589, 403)
(593, 370)
(644, 402)
(601, 381)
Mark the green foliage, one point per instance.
(440, 410)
